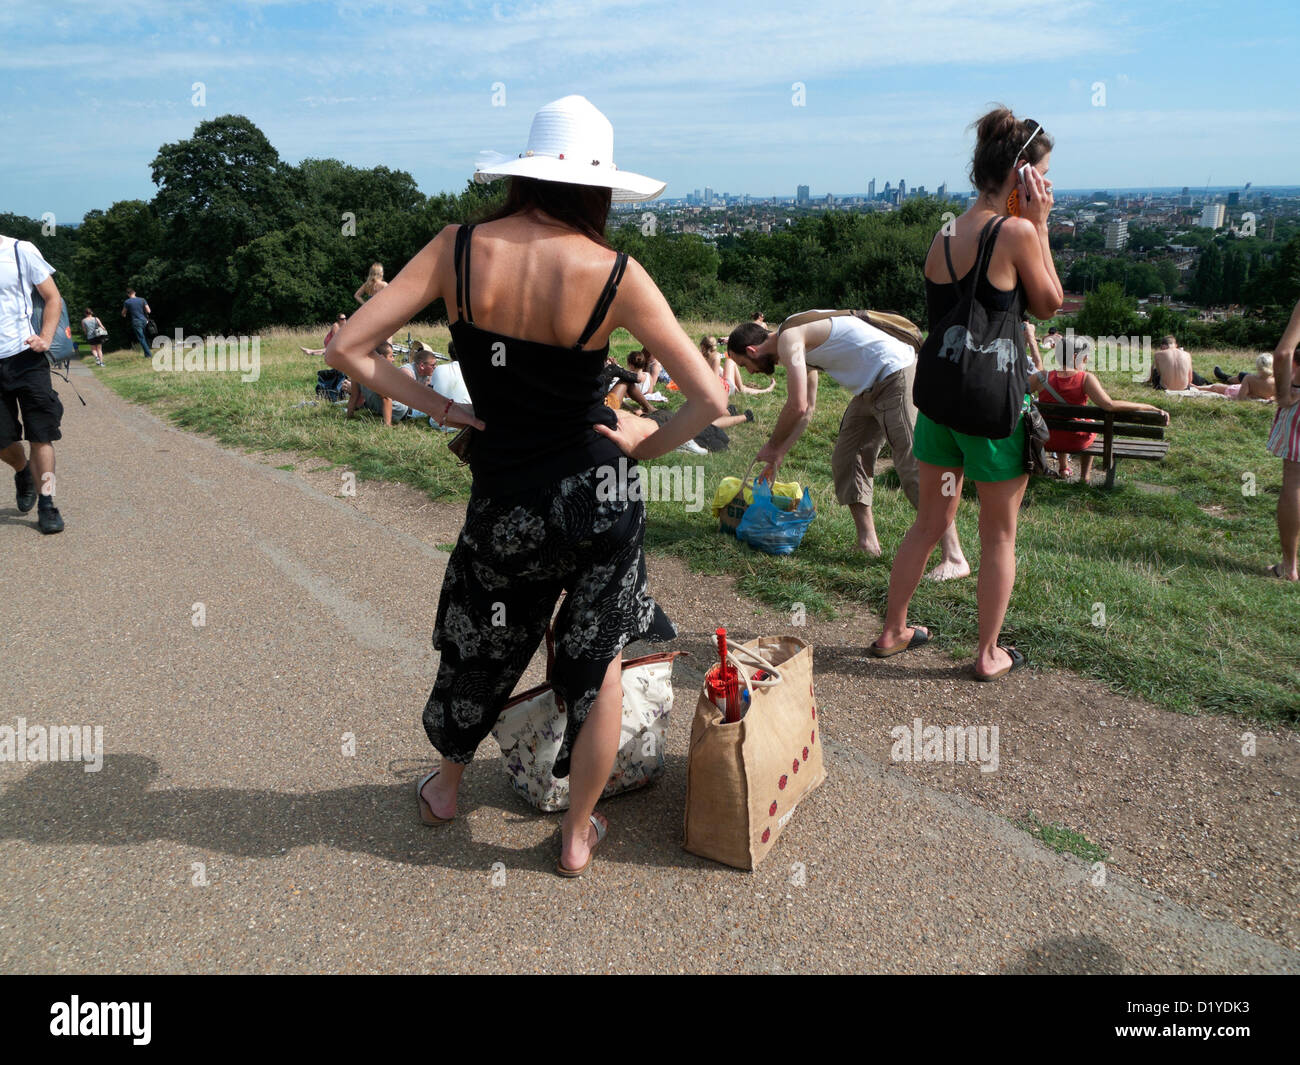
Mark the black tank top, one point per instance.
(537, 401)
(941, 297)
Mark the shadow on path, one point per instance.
(60, 803)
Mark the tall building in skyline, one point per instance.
(902, 190)
(1116, 235)
(1212, 216)
(801, 194)
(871, 189)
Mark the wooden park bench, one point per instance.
(1120, 434)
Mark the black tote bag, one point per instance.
(971, 373)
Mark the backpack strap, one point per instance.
(23, 294)
(607, 295)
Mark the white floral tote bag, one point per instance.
(531, 728)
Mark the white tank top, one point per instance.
(858, 355)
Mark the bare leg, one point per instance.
(15, 455)
(862, 518)
(999, 509)
(43, 467)
(1085, 468)
(728, 420)
(940, 492)
(1288, 520)
(590, 766)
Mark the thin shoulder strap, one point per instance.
(462, 273)
(606, 299)
(979, 251)
(947, 255)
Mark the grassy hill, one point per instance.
(1176, 554)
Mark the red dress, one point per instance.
(1071, 390)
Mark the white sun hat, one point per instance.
(571, 142)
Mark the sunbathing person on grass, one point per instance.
(1257, 385)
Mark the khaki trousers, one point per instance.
(883, 414)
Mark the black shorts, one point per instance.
(25, 390)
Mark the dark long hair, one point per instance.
(583, 208)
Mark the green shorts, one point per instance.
(980, 458)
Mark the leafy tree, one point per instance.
(114, 247)
(1169, 275)
(1165, 321)
(219, 190)
(1235, 265)
(1106, 311)
(58, 244)
(275, 279)
(1090, 239)
(1145, 238)
(1207, 287)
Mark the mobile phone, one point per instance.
(1013, 201)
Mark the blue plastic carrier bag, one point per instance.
(771, 529)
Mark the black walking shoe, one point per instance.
(749, 415)
(1218, 373)
(25, 485)
(50, 520)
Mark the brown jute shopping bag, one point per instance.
(744, 779)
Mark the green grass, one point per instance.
(1191, 621)
(1063, 839)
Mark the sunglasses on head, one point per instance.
(1023, 147)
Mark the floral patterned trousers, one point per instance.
(512, 561)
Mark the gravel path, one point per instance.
(228, 830)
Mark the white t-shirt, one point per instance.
(448, 381)
(858, 355)
(15, 306)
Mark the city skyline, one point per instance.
(95, 90)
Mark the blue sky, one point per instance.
(699, 93)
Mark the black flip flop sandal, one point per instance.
(920, 637)
(1017, 660)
